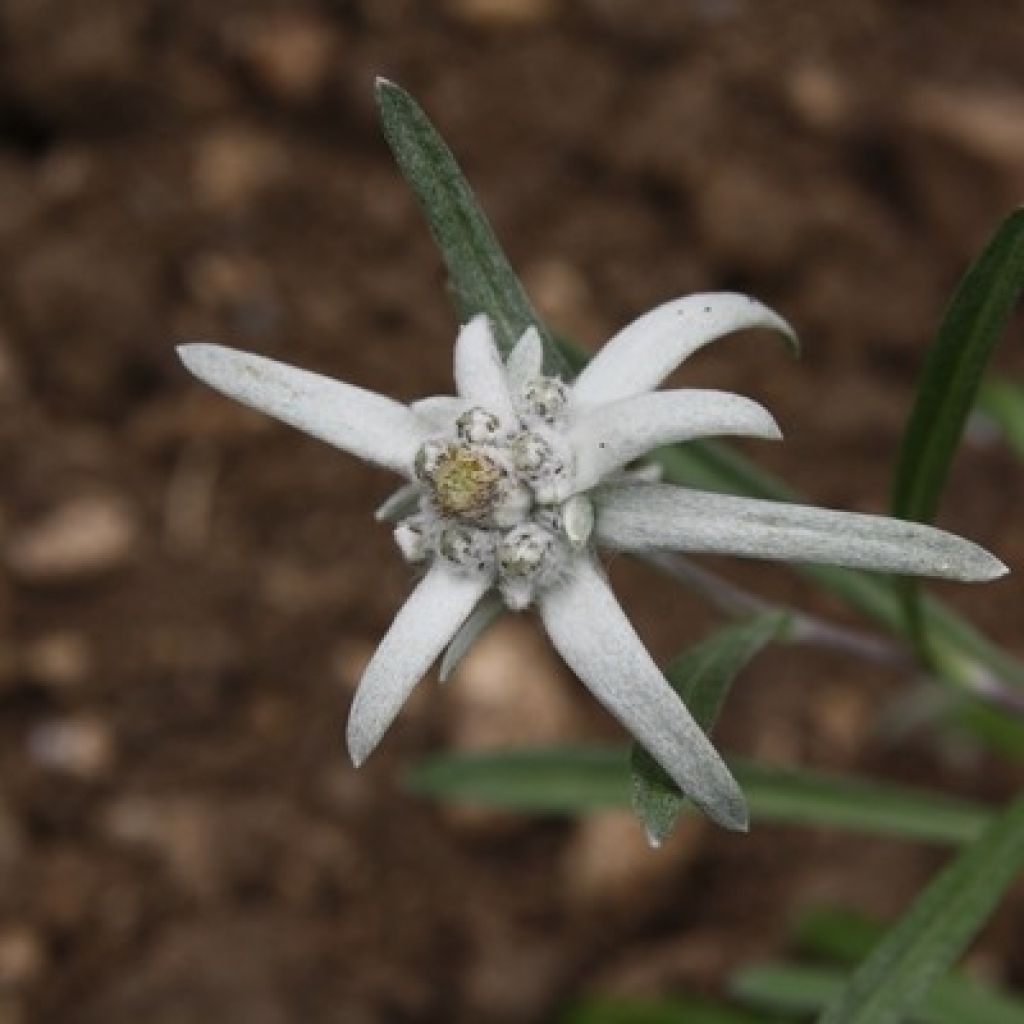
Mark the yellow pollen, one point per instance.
(465, 482)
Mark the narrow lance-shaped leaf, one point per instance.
(803, 990)
(931, 936)
(480, 274)
(681, 1009)
(702, 677)
(947, 389)
(567, 780)
(953, 369)
(846, 936)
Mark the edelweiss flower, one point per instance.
(513, 482)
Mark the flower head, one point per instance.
(513, 482)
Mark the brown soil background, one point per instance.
(190, 591)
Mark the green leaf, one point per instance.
(541, 780)
(947, 389)
(837, 933)
(570, 780)
(807, 990)
(702, 677)
(930, 937)
(846, 936)
(680, 1010)
(953, 369)
(800, 991)
(1002, 401)
(480, 274)
(795, 797)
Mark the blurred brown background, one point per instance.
(190, 590)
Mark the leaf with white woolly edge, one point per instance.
(659, 516)
(646, 351)
(361, 422)
(423, 626)
(591, 632)
(481, 277)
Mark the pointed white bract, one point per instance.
(589, 630)
(422, 629)
(514, 482)
(648, 517)
(643, 354)
(371, 426)
(525, 361)
(479, 375)
(608, 436)
(484, 615)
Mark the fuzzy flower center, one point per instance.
(495, 496)
(464, 482)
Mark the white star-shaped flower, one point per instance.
(512, 483)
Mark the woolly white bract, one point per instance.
(515, 480)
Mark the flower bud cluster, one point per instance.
(497, 497)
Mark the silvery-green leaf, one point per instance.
(590, 631)
(645, 352)
(658, 516)
(483, 616)
(366, 424)
(702, 677)
(482, 279)
(610, 435)
(424, 625)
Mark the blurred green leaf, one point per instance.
(702, 677)
(541, 780)
(800, 991)
(956, 360)
(837, 933)
(803, 991)
(481, 277)
(1002, 401)
(570, 780)
(914, 955)
(679, 1010)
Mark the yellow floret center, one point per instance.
(465, 482)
